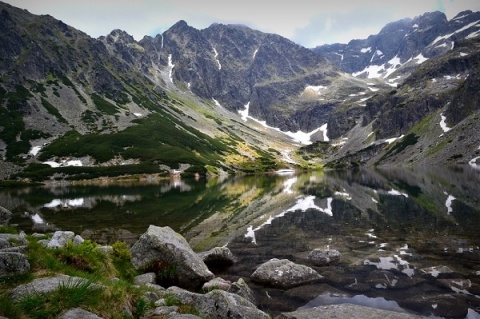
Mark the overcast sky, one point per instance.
(306, 22)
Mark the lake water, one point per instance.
(409, 238)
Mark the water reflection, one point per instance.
(402, 233)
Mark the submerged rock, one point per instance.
(345, 311)
(162, 249)
(323, 257)
(284, 274)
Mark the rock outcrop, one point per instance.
(284, 274)
(161, 248)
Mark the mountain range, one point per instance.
(232, 99)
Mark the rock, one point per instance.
(4, 243)
(217, 283)
(78, 240)
(78, 313)
(161, 248)
(241, 288)
(345, 311)
(437, 271)
(13, 263)
(217, 257)
(323, 257)
(383, 279)
(105, 249)
(284, 274)
(440, 305)
(217, 304)
(162, 312)
(46, 285)
(60, 239)
(148, 278)
(5, 215)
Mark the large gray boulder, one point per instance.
(60, 239)
(13, 263)
(217, 257)
(77, 313)
(47, 284)
(323, 257)
(284, 274)
(345, 311)
(162, 248)
(217, 304)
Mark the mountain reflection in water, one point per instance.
(407, 236)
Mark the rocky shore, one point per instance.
(175, 281)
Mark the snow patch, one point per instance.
(393, 139)
(34, 151)
(443, 124)
(255, 53)
(444, 37)
(37, 219)
(365, 50)
(420, 59)
(473, 162)
(138, 114)
(170, 66)
(216, 58)
(448, 203)
(397, 193)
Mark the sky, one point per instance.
(306, 22)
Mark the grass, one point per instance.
(107, 300)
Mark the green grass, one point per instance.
(103, 105)
(107, 300)
(53, 110)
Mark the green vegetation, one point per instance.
(96, 292)
(103, 105)
(399, 146)
(53, 110)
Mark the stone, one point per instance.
(60, 239)
(217, 283)
(4, 243)
(323, 257)
(46, 285)
(284, 274)
(143, 279)
(217, 257)
(161, 248)
(77, 313)
(440, 305)
(5, 215)
(78, 240)
(241, 288)
(345, 311)
(13, 264)
(218, 304)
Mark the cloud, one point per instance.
(306, 22)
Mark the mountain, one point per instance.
(229, 98)
(401, 45)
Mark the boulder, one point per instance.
(13, 263)
(217, 304)
(5, 215)
(284, 274)
(345, 311)
(323, 257)
(148, 278)
(217, 283)
(161, 248)
(60, 239)
(241, 288)
(217, 257)
(79, 313)
(46, 285)
(439, 304)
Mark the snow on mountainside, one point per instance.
(402, 45)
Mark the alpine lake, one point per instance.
(409, 238)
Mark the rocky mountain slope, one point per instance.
(229, 98)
